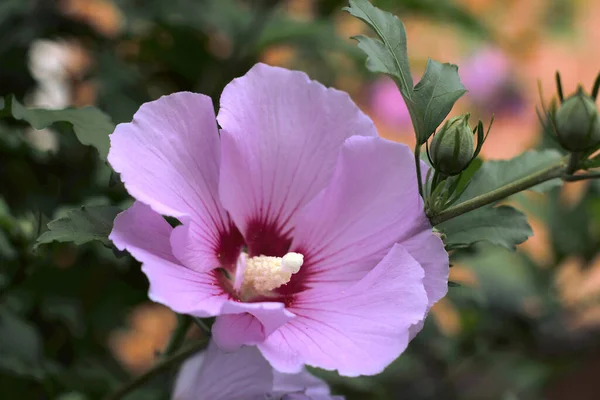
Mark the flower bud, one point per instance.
(453, 146)
(577, 123)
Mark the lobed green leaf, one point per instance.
(90, 125)
(430, 101)
(21, 351)
(494, 174)
(82, 225)
(503, 226)
(388, 55)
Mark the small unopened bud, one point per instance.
(453, 147)
(577, 122)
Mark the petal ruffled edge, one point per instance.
(168, 157)
(248, 323)
(428, 249)
(145, 235)
(358, 330)
(218, 375)
(280, 136)
(371, 203)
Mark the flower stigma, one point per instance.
(263, 274)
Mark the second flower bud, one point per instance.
(453, 146)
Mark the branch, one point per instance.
(418, 168)
(202, 325)
(581, 177)
(178, 336)
(553, 172)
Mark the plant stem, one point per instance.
(581, 177)
(552, 172)
(162, 366)
(178, 336)
(418, 168)
(202, 325)
(573, 163)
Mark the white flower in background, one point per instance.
(48, 61)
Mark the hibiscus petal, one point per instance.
(317, 396)
(429, 251)
(169, 158)
(248, 323)
(145, 234)
(230, 332)
(371, 203)
(281, 133)
(301, 382)
(218, 375)
(358, 329)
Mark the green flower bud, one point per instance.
(453, 146)
(577, 123)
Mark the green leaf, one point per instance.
(71, 396)
(433, 97)
(65, 310)
(461, 182)
(21, 352)
(7, 252)
(388, 55)
(18, 338)
(494, 174)
(430, 101)
(505, 279)
(503, 226)
(593, 162)
(81, 226)
(91, 126)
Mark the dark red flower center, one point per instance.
(262, 238)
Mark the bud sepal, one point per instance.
(575, 121)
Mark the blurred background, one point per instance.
(75, 321)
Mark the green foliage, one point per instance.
(593, 162)
(81, 226)
(499, 272)
(463, 180)
(574, 228)
(452, 148)
(494, 174)
(91, 126)
(430, 101)
(503, 226)
(388, 55)
(577, 122)
(434, 96)
(20, 346)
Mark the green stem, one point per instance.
(418, 168)
(573, 163)
(202, 325)
(581, 177)
(438, 177)
(166, 364)
(552, 172)
(178, 336)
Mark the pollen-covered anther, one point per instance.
(265, 273)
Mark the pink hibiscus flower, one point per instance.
(302, 230)
(485, 73)
(243, 375)
(388, 105)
